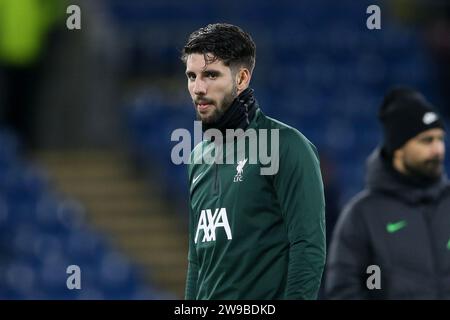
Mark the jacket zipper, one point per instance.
(216, 184)
(216, 175)
(428, 218)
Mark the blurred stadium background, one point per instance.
(86, 118)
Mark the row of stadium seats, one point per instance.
(42, 232)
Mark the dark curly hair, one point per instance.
(224, 41)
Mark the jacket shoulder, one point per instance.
(361, 207)
(360, 201)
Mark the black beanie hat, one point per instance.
(404, 114)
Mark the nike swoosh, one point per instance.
(395, 226)
(196, 178)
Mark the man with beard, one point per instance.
(251, 236)
(392, 241)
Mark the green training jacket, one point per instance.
(254, 236)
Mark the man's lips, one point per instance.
(203, 106)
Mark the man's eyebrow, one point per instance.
(207, 71)
(212, 71)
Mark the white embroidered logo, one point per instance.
(240, 170)
(196, 178)
(429, 118)
(209, 223)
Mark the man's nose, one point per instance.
(438, 148)
(199, 87)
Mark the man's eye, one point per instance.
(191, 77)
(212, 75)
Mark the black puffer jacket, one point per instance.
(401, 227)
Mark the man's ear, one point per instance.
(243, 77)
(399, 153)
(397, 159)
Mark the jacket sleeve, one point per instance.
(299, 189)
(349, 257)
(192, 271)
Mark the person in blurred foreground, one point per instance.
(392, 240)
(251, 235)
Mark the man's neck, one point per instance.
(238, 115)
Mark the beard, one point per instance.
(219, 107)
(428, 169)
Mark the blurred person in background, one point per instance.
(401, 221)
(258, 236)
(26, 35)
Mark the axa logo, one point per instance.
(240, 170)
(210, 222)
